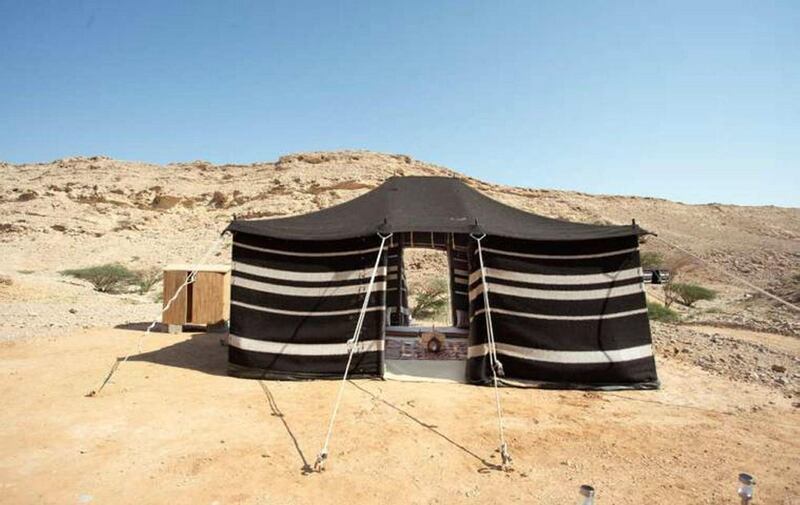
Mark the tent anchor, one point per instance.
(322, 457)
(506, 457)
(319, 464)
(494, 364)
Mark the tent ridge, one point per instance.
(426, 204)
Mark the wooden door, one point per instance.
(208, 298)
(176, 313)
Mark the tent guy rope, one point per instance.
(495, 365)
(728, 274)
(322, 457)
(189, 279)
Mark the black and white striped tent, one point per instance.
(566, 305)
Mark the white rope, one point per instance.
(728, 274)
(494, 363)
(189, 279)
(319, 465)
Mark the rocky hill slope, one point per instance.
(78, 212)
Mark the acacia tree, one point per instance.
(431, 299)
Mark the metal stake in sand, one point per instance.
(322, 457)
(587, 495)
(747, 484)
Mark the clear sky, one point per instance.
(688, 100)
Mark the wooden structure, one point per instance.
(206, 301)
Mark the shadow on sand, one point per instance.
(276, 411)
(159, 327)
(202, 352)
(432, 428)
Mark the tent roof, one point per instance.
(425, 204)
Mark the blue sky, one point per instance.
(693, 101)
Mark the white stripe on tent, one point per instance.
(343, 349)
(307, 254)
(316, 292)
(611, 315)
(565, 357)
(291, 275)
(547, 294)
(304, 313)
(460, 280)
(561, 256)
(462, 273)
(511, 275)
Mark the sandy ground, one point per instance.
(173, 428)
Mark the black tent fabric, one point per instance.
(294, 305)
(397, 311)
(566, 299)
(425, 204)
(567, 314)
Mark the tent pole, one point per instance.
(319, 464)
(495, 365)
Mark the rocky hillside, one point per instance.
(78, 212)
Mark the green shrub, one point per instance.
(431, 300)
(651, 260)
(108, 278)
(144, 280)
(657, 312)
(688, 294)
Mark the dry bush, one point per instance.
(431, 300)
(116, 278)
(658, 312)
(688, 293)
(108, 278)
(144, 280)
(678, 267)
(651, 260)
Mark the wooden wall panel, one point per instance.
(176, 314)
(208, 298)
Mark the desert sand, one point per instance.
(173, 428)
